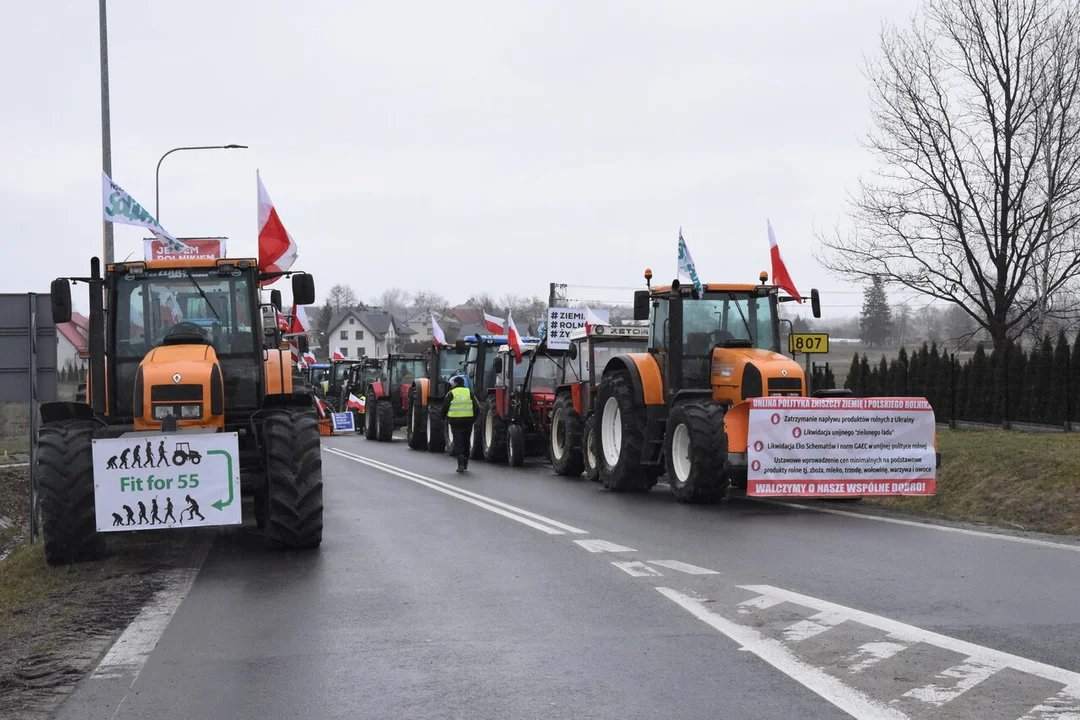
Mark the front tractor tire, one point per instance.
(294, 513)
(494, 434)
(695, 451)
(384, 419)
(416, 429)
(515, 446)
(371, 428)
(65, 474)
(620, 432)
(590, 450)
(436, 428)
(565, 446)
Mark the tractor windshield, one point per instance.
(405, 371)
(720, 317)
(602, 352)
(545, 376)
(451, 363)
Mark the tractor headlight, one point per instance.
(190, 412)
(162, 411)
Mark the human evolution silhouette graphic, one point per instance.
(128, 517)
(133, 456)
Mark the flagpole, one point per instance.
(106, 127)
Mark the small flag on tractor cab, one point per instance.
(513, 340)
(338, 355)
(780, 276)
(494, 325)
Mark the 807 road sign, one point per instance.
(808, 343)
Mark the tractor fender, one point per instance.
(57, 411)
(423, 387)
(644, 373)
(736, 426)
(377, 391)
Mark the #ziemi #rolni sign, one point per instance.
(161, 481)
(827, 447)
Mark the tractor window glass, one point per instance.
(602, 352)
(658, 327)
(545, 374)
(405, 371)
(716, 319)
(450, 364)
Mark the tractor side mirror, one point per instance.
(60, 297)
(497, 365)
(815, 303)
(571, 352)
(275, 299)
(303, 289)
(302, 344)
(461, 347)
(641, 304)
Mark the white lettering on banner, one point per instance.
(163, 481)
(561, 322)
(823, 447)
(197, 249)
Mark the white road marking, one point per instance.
(598, 546)
(814, 625)
(963, 677)
(910, 635)
(926, 525)
(683, 567)
(130, 651)
(637, 569)
(761, 602)
(1063, 706)
(7, 465)
(538, 522)
(872, 653)
(775, 653)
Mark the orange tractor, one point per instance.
(188, 349)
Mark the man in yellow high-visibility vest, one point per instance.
(460, 410)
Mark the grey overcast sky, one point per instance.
(454, 147)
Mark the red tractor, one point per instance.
(572, 440)
(517, 413)
(387, 399)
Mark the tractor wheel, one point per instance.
(294, 518)
(695, 449)
(515, 446)
(65, 474)
(370, 416)
(589, 450)
(564, 438)
(476, 447)
(620, 432)
(436, 431)
(416, 431)
(384, 419)
(494, 434)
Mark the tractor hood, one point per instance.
(180, 380)
(742, 373)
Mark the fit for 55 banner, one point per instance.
(823, 447)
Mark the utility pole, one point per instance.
(106, 129)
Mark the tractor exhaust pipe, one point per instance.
(97, 338)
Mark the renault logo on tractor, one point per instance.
(176, 378)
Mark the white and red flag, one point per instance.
(355, 403)
(780, 276)
(309, 358)
(494, 325)
(437, 332)
(277, 249)
(321, 406)
(299, 323)
(591, 318)
(338, 355)
(513, 340)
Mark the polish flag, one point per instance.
(338, 355)
(355, 403)
(436, 331)
(277, 249)
(780, 275)
(309, 358)
(591, 319)
(321, 406)
(282, 323)
(513, 340)
(300, 322)
(495, 325)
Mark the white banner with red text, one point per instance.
(836, 447)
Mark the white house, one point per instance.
(71, 339)
(367, 333)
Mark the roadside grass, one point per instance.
(25, 579)
(1026, 481)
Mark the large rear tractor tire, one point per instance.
(65, 474)
(384, 419)
(416, 429)
(436, 428)
(515, 446)
(476, 447)
(620, 431)
(294, 518)
(564, 439)
(590, 450)
(371, 428)
(494, 434)
(695, 452)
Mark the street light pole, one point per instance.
(106, 131)
(157, 172)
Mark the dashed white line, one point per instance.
(683, 567)
(1063, 706)
(775, 653)
(637, 569)
(599, 546)
(531, 519)
(870, 654)
(963, 677)
(761, 602)
(813, 626)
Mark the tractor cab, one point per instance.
(518, 408)
(387, 399)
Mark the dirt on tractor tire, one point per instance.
(57, 622)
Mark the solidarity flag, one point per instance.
(277, 249)
(780, 275)
(117, 206)
(686, 264)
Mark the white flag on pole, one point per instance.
(686, 264)
(117, 206)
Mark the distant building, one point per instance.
(367, 333)
(72, 339)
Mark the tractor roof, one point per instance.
(713, 287)
(615, 332)
(185, 263)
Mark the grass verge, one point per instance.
(1027, 481)
(25, 578)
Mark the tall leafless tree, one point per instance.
(976, 200)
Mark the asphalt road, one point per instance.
(513, 593)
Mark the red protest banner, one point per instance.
(201, 249)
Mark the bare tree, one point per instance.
(393, 300)
(976, 201)
(483, 301)
(341, 297)
(426, 301)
